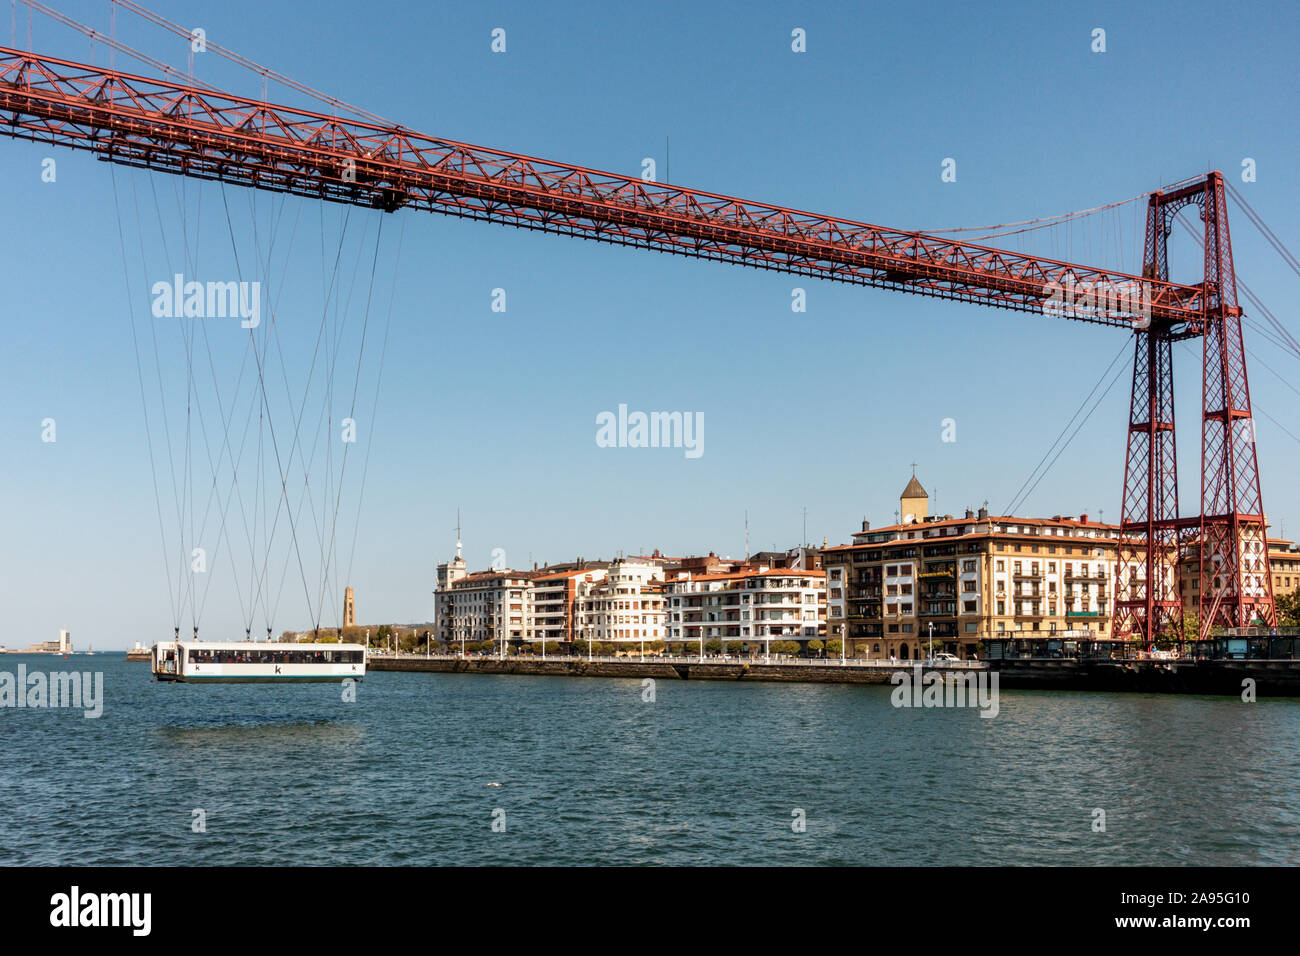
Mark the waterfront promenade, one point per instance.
(1265, 678)
(822, 671)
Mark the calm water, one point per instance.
(589, 773)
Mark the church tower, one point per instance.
(349, 611)
(913, 503)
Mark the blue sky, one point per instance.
(494, 413)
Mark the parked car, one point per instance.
(946, 659)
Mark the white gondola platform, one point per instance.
(248, 662)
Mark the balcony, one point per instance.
(1086, 576)
(864, 618)
(939, 571)
(928, 611)
(945, 630)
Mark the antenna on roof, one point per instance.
(457, 532)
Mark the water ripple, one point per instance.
(590, 774)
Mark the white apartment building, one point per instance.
(552, 603)
(750, 606)
(625, 606)
(486, 605)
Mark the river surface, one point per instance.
(590, 772)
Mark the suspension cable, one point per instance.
(1022, 495)
(148, 430)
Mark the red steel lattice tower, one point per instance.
(1227, 540)
(1146, 589)
(1236, 581)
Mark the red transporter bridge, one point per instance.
(193, 131)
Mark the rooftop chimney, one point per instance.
(866, 525)
(984, 513)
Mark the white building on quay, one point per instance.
(625, 607)
(751, 606)
(634, 603)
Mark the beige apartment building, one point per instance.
(1283, 562)
(953, 582)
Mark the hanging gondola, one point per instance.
(249, 662)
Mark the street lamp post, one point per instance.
(931, 626)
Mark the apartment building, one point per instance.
(952, 582)
(1283, 564)
(553, 602)
(754, 606)
(503, 604)
(625, 606)
(449, 574)
(485, 605)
